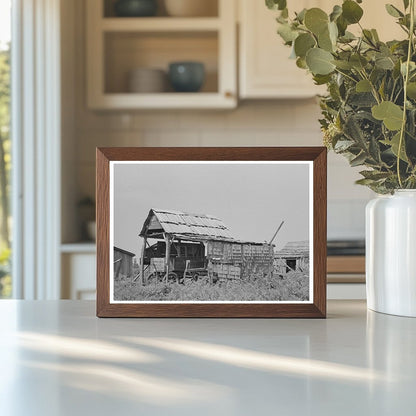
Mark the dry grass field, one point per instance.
(294, 286)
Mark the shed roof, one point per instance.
(185, 225)
(294, 249)
(129, 253)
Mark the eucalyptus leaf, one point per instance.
(363, 110)
(395, 144)
(393, 11)
(374, 174)
(354, 132)
(374, 150)
(336, 12)
(385, 62)
(333, 32)
(303, 43)
(391, 114)
(412, 67)
(287, 33)
(351, 11)
(342, 25)
(365, 182)
(316, 20)
(358, 61)
(369, 36)
(325, 42)
(411, 90)
(292, 52)
(301, 63)
(343, 145)
(321, 79)
(363, 86)
(320, 61)
(301, 15)
(347, 37)
(281, 19)
(345, 65)
(375, 35)
(276, 4)
(358, 160)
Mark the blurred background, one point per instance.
(145, 73)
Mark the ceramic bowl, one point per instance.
(186, 76)
(191, 8)
(147, 80)
(135, 8)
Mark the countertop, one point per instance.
(57, 358)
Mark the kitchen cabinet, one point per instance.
(264, 65)
(265, 70)
(118, 45)
(78, 262)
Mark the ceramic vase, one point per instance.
(391, 253)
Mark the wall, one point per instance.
(256, 123)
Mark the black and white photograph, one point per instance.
(211, 232)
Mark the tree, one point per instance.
(5, 159)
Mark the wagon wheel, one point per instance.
(173, 277)
(152, 277)
(195, 277)
(187, 275)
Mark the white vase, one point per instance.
(391, 253)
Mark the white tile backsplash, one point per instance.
(253, 123)
(258, 123)
(346, 218)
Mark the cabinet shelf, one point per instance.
(160, 24)
(117, 45)
(198, 100)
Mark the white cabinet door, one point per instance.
(265, 68)
(78, 276)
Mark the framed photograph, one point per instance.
(211, 232)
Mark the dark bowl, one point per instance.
(187, 76)
(135, 8)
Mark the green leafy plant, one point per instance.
(369, 112)
(5, 280)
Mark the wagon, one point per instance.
(187, 261)
(194, 246)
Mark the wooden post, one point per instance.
(210, 272)
(142, 262)
(167, 256)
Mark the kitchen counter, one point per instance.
(57, 358)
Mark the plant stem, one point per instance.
(346, 75)
(406, 80)
(373, 88)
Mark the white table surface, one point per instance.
(57, 358)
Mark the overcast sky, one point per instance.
(251, 199)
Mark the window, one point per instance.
(5, 147)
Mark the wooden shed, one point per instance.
(123, 262)
(294, 256)
(195, 245)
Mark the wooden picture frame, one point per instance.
(315, 307)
